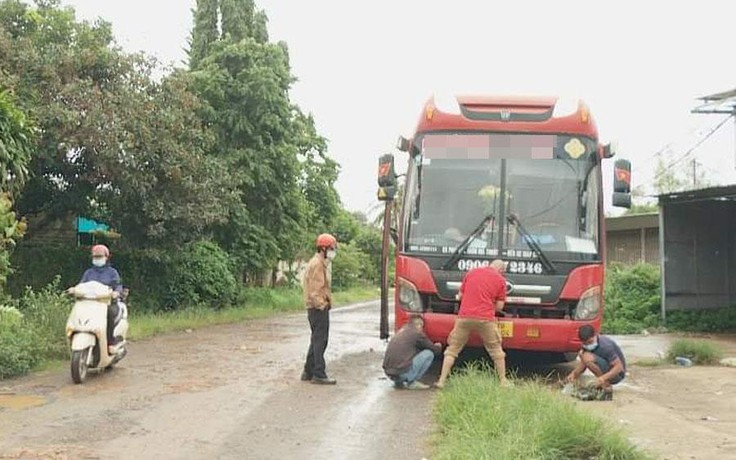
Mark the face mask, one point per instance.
(591, 346)
(331, 254)
(99, 262)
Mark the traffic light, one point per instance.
(386, 178)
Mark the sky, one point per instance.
(365, 69)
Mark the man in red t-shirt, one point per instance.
(482, 294)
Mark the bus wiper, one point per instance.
(533, 245)
(463, 246)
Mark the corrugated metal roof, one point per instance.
(719, 96)
(710, 193)
(723, 102)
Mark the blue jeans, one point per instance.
(419, 366)
(605, 366)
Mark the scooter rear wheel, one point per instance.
(79, 365)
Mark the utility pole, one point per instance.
(695, 173)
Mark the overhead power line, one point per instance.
(691, 149)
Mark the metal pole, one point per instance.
(662, 257)
(385, 251)
(695, 176)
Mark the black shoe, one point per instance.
(306, 377)
(323, 381)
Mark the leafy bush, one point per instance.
(369, 242)
(633, 303)
(33, 330)
(45, 313)
(10, 316)
(350, 267)
(17, 349)
(698, 351)
(15, 344)
(37, 266)
(633, 299)
(711, 320)
(200, 273)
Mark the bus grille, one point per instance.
(564, 309)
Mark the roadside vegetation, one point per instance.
(633, 304)
(697, 351)
(32, 331)
(477, 418)
(206, 181)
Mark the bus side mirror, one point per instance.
(609, 150)
(402, 144)
(622, 184)
(386, 178)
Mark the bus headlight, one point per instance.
(589, 304)
(409, 298)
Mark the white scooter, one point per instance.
(86, 329)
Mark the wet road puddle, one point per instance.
(20, 402)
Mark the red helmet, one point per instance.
(326, 240)
(100, 250)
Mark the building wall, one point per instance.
(633, 239)
(699, 245)
(57, 231)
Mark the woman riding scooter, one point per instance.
(102, 272)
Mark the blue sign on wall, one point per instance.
(85, 225)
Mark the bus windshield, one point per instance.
(549, 183)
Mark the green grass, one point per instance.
(650, 362)
(478, 419)
(261, 303)
(698, 351)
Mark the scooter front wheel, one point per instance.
(79, 365)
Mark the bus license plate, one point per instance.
(506, 328)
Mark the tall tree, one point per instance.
(278, 159)
(237, 19)
(205, 32)
(16, 139)
(15, 151)
(112, 143)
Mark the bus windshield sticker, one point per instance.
(575, 148)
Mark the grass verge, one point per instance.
(480, 420)
(698, 351)
(260, 303)
(650, 362)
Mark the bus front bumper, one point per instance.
(530, 334)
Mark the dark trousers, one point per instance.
(319, 322)
(112, 312)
